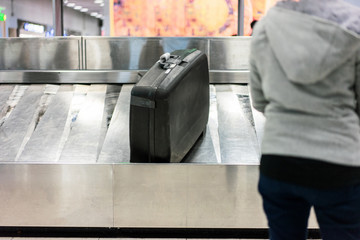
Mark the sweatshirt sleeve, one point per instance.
(357, 84)
(257, 96)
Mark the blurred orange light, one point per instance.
(148, 18)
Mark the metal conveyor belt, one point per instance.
(88, 123)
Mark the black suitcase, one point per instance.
(169, 107)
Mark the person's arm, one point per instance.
(257, 96)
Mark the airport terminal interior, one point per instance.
(67, 70)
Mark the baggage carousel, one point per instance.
(89, 123)
(64, 139)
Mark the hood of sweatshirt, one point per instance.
(308, 58)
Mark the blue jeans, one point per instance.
(287, 207)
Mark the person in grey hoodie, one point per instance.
(305, 78)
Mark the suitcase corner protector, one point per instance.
(142, 102)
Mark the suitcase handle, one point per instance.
(164, 57)
(168, 61)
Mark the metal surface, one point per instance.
(5, 91)
(230, 77)
(56, 195)
(238, 140)
(132, 53)
(102, 77)
(73, 77)
(15, 130)
(192, 196)
(83, 135)
(116, 147)
(58, 53)
(229, 54)
(88, 124)
(131, 195)
(43, 143)
(115, 53)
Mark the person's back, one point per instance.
(305, 77)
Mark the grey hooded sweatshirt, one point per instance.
(305, 78)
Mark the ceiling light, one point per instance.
(70, 4)
(99, 16)
(102, 4)
(94, 14)
(78, 7)
(84, 10)
(98, 1)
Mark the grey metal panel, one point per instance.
(239, 76)
(58, 53)
(56, 195)
(121, 53)
(224, 197)
(131, 195)
(79, 131)
(195, 196)
(229, 53)
(203, 151)
(44, 144)
(5, 91)
(116, 147)
(174, 43)
(64, 77)
(259, 121)
(82, 144)
(99, 53)
(133, 53)
(15, 129)
(238, 141)
(92, 77)
(150, 195)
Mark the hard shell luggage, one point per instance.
(169, 107)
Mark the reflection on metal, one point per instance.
(59, 53)
(131, 195)
(191, 196)
(6, 101)
(84, 134)
(238, 141)
(56, 195)
(103, 77)
(75, 124)
(231, 54)
(133, 53)
(113, 59)
(15, 128)
(73, 77)
(116, 147)
(221, 76)
(115, 53)
(49, 129)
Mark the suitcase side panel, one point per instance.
(140, 149)
(169, 111)
(142, 115)
(185, 97)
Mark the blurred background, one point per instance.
(140, 18)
